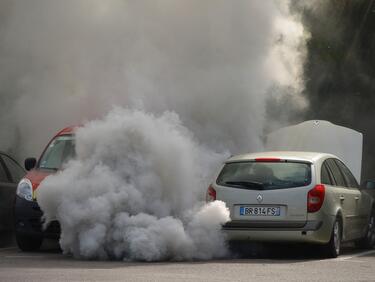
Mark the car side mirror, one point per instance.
(30, 163)
(368, 184)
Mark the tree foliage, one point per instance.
(339, 70)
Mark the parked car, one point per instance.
(10, 174)
(28, 215)
(294, 197)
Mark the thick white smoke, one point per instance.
(212, 62)
(135, 191)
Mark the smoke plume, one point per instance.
(194, 78)
(212, 62)
(134, 192)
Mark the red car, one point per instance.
(28, 224)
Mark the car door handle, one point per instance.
(356, 198)
(342, 198)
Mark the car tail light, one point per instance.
(211, 194)
(315, 198)
(267, 160)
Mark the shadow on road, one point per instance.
(288, 252)
(249, 253)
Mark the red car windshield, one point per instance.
(59, 151)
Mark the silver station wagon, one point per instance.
(294, 197)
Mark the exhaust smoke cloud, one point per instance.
(194, 77)
(134, 192)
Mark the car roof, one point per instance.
(8, 155)
(68, 130)
(285, 155)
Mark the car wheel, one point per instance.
(333, 247)
(28, 243)
(368, 241)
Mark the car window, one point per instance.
(59, 151)
(265, 175)
(337, 175)
(349, 178)
(3, 174)
(16, 171)
(325, 175)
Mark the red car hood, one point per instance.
(36, 176)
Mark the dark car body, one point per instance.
(10, 174)
(28, 215)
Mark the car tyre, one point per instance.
(368, 241)
(333, 248)
(28, 243)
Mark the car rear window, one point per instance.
(265, 175)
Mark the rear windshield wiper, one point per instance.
(246, 184)
(49, 168)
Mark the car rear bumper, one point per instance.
(28, 220)
(299, 232)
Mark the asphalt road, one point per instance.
(276, 263)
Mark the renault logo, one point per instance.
(260, 198)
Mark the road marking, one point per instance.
(344, 258)
(361, 254)
(357, 261)
(348, 257)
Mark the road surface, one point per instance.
(286, 263)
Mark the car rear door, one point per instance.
(276, 207)
(346, 198)
(362, 201)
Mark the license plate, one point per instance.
(260, 211)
